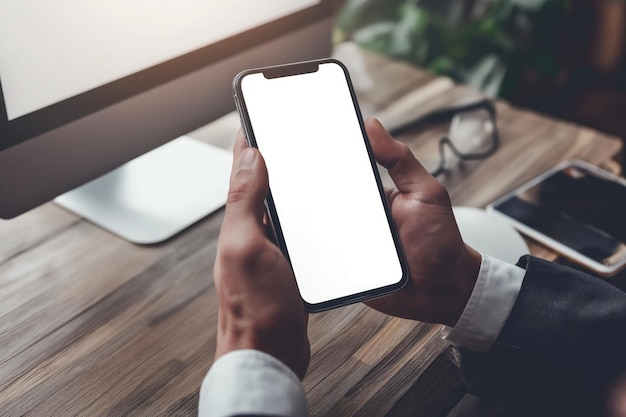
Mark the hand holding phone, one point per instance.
(258, 298)
(443, 269)
(311, 134)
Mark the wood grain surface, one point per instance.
(91, 325)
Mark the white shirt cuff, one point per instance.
(489, 306)
(251, 382)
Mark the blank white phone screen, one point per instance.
(322, 182)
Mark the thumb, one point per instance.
(405, 170)
(248, 189)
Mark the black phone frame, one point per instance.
(303, 68)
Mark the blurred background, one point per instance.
(565, 58)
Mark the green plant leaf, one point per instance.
(490, 43)
(376, 36)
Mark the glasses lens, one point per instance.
(471, 132)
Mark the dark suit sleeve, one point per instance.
(562, 345)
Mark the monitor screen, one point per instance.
(63, 59)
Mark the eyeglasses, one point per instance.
(472, 135)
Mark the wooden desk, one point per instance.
(94, 326)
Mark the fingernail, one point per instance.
(247, 158)
(375, 119)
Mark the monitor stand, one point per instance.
(158, 194)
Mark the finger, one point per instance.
(405, 170)
(390, 193)
(269, 229)
(248, 188)
(240, 142)
(266, 220)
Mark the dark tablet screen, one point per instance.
(576, 208)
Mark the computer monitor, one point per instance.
(86, 87)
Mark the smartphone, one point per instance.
(326, 201)
(577, 209)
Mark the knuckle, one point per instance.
(237, 192)
(436, 193)
(240, 253)
(404, 152)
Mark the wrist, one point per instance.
(229, 341)
(295, 354)
(465, 279)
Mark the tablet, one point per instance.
(577, 209)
